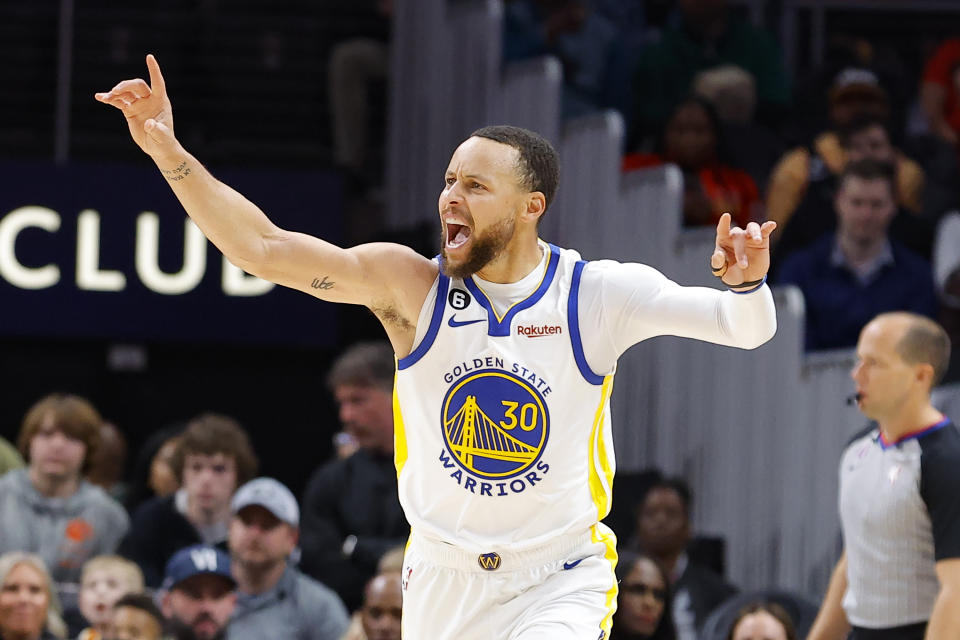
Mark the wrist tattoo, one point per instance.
(322, 284)
(179, 173)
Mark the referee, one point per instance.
(899, 575)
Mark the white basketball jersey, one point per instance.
(502, 430)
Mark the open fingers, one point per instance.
(738, 238)
(767, 228)
(156, 78)
(136, 86)
(753, 232)
(723, 228)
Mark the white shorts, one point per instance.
(565, 590)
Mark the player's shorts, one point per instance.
(564, 590)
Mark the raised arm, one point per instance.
(367, 274)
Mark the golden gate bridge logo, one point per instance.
(494, 424)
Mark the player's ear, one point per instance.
(536, 205)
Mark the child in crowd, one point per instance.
(105, 579)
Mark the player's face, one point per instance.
(864, 209)
(643, 597)
(259, 539)
(23, 603)
(479, 204)
(367, 414)
(662, 525)
(203, 603)
(884, 380)
(210, 480)
(55, 454)
(759, 626)
(130, 623)
(381, 608)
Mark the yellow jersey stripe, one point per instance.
(601, 533)
(600, 485)
(399, 432)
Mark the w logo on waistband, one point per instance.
(489, 561)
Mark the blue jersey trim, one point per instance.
(573, 321)
(500, 327)
(913, 435)
(439, 305)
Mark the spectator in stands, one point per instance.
(153, 474)
(351, 512)
(390, 564)
(733, 93)
(946, 262)
(199, 593)
(581, 38)
(865, 137)
(10, 458)
(48, 508)
(692, 139)
(213, 457)
(355, 65)
(762, 621)
(108, 462)
(939, 95)
(850, 276)
(136, 617)
(381, 607)
(104, 581)
(273, 598)
(663, 532)
(643, 606)
(28, 603)
(855, 94)
(708, 35)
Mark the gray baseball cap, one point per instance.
(272, 496)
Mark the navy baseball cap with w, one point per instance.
(200, 559)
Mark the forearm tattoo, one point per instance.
(179, 173)
(322, 284)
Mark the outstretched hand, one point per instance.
(741, 255)
(147, 110)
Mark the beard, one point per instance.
(180, 630)
(486, 248)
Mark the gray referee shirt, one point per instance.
(900, 513)
(297, 608)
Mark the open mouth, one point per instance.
(457, 235)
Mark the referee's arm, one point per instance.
(945, 619)
(831, 622)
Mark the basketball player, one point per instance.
(506, 349)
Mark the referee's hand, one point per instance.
(741, 255)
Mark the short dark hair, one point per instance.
(870, 169)
(538, 165)
(365, 364)
(71, 414)
(924, 342)
(143, 602)
(771, 608)
(209, 434)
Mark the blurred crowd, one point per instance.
(198, 547)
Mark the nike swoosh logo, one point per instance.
(570, 565)
(453, 322)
